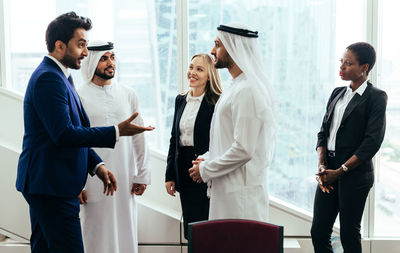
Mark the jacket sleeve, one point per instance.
(51, 102)
(93, 160)
(246, 128)
(324, 131)
(170, 171)
(375, 129)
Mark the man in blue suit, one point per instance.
(57, 154)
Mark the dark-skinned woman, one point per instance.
(352, 132)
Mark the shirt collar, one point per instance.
(62, 67)
(360, 90)
(189, 97)
(105, 87)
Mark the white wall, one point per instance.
(14, 210)
(11, 115)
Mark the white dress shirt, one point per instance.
(59, 64)
(338, 112)
(186, 124)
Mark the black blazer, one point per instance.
(362, 128)
(201, 135)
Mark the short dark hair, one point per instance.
(365, 53)
(63, 28)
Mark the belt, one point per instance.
(330, 153)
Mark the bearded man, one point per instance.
(242, 133)
(107, 102)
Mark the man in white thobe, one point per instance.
(242, 131)
(109, 224)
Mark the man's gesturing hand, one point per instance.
(126, 128)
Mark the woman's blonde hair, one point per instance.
(213, 87)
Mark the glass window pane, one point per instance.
(387, 195)
(302, 43)
(144, 33)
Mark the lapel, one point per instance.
(75, 98)
(357, 99)
(201, 115)
(179, 116)
(334, 101)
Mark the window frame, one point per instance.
(370, 30)
(5, 59)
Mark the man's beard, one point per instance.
(103, 74)
(70, 62)
(225, 62)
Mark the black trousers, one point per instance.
(194, 201)
(348, 199)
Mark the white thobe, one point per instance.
(236, 163)
(109, 223)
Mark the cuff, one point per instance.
(95, 168)
(142, 180)
(116, 133)
(202, 173)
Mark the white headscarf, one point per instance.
(89, 64)
(246, 53)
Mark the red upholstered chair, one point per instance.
(235, 236)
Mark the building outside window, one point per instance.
(302, 42)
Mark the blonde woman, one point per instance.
(190, 137)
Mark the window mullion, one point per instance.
(183, 44)
(5, 58)
(372, 38)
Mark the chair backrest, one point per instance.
(235, 236)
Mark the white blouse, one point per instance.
(338, 112)
(186, 124)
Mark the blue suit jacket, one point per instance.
(56, 154)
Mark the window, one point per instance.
(387, 195)
(302, 43)
(144, 33)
